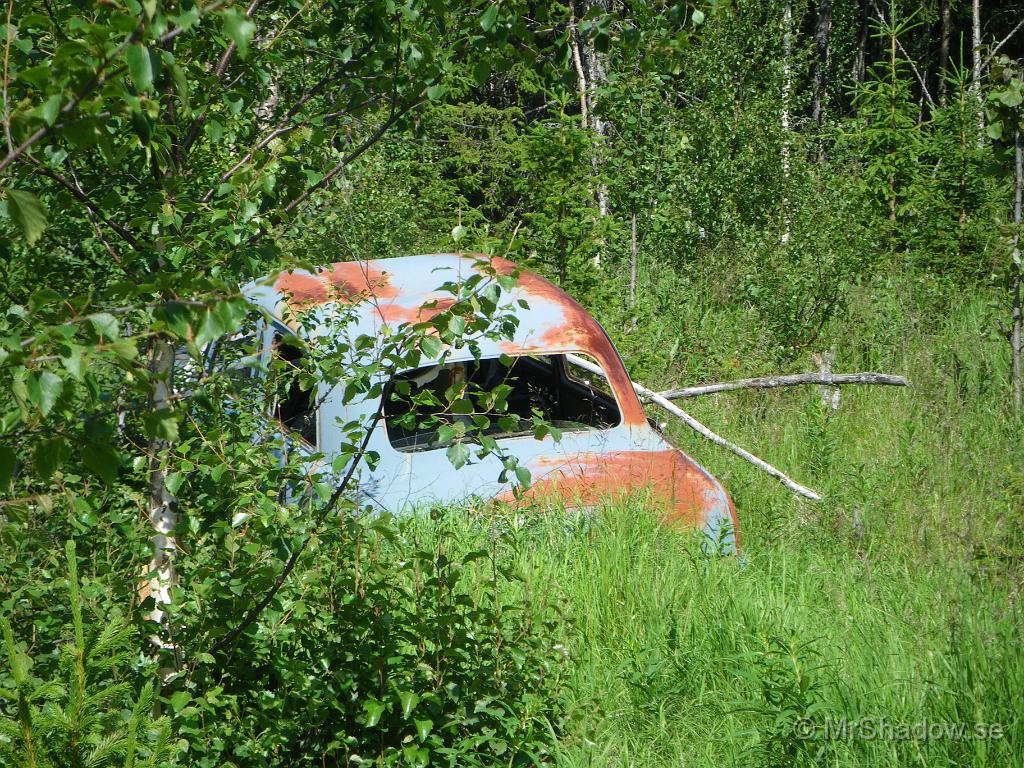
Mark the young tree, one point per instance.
(156, 155)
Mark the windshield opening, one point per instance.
(500, 397)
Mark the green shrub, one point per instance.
(401, 644)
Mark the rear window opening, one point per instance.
(296, 407)
(498, 397)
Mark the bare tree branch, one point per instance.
(370, 140)
(283, 128)
(98, 79)
(771, 382)
(1001, 43)
(695, 425)
(219, 70)
(7, 54)
(79, 194)
(289, 565)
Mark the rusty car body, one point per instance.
(607, 446)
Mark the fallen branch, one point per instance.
(771, 382)
(695, 425)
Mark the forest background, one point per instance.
(733, 189)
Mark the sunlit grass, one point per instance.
(895, 600)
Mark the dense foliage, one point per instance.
(731, 188)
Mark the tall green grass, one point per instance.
(894, 602)
(681, 660)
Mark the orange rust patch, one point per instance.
(344, 281)
(676, 483)
(303, 289)
(396, 314)
(357, 278)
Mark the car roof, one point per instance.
(376, 293)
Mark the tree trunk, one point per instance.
(787, 91)
(859, 61)
(700, 429)
(581, 76)
(597, 76)
(944, 51)
(976, 68)
(1015, 337)
(822, 37)
(163, 514)
(632, 259)
(829, 395)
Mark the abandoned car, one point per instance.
(605, 446)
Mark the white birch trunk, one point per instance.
(976, 68)
(163, 515)
(596, 76)
(787, 93)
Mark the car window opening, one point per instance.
(417, 403)
(296, 409)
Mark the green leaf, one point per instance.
(488, 17)
(214, 131)
(445, 433)
(140, 66)
(417, 757)
(374, 709)
(50, 454)
(51, 108)
(430, 347)
(458, 455)
(37, 76)
(436, 91)
(698, 17)
(1011, 97)
(124, 349)
(222, 318)
(161, 425)
(457, 325)
(27, 213)
(423, 728)
(240, 29)
(173, 481)
(102, 460)
(179, 700)
(73, 362)
(43, 390)
(105, 325)
(994, 130)
(463, 406)
(481, 72)
(143, 128)
(409, 700)
(458, 232)
(523, 476)
(181, 87)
